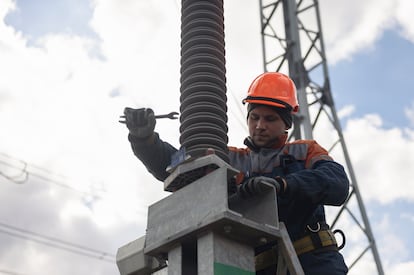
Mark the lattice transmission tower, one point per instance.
(292, 41)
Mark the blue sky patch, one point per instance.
(377, 81)
(35, 18)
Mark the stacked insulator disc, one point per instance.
(203, 81)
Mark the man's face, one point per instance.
(265, 126)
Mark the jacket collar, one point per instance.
(250, 144)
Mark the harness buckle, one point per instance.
(340, 232)
(318, 228)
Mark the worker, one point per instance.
(304, 175)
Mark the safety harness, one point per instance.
(321, 240)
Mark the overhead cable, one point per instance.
(21, 177)
(8, 272)
(56, 243)
(30, 169)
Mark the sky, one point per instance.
(71, 190)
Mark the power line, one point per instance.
(57, 243)
(26, 169)
(3, 271)
(18, 177)
(240, 116)
(30, 172)
(99, 257)
(9, 272)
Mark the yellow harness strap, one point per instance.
(322, 238)
(318, 240)
(266, 259)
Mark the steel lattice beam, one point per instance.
(292, 43)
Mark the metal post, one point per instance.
(175, 257)
(220, 255)
(202, 229)
(296, 68)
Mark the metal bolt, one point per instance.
(263, 240)
(227, 229)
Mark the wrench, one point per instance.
(172, 115)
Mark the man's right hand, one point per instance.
(140, 122)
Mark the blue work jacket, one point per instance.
(313, 180)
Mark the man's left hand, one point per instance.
(254, 186)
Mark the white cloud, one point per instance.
(394, 249)
(353, 26)
(403, 268)
(408, 216)
(346, 111)
(59, 114)
(409, 113)
(62, 96)
(404, 18)
(6, 7)
(380, 167)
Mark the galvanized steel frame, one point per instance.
(292, 43)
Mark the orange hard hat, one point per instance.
(274, 89)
